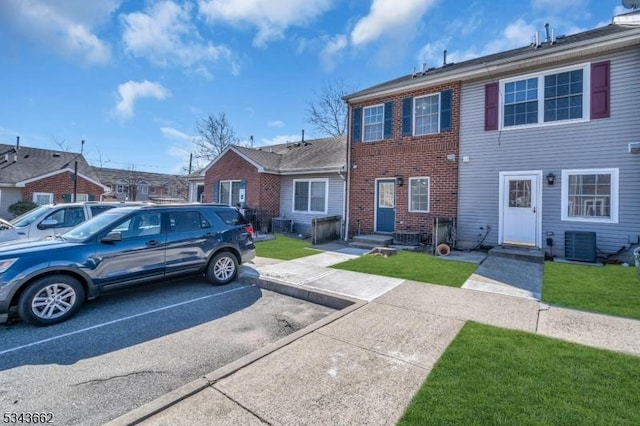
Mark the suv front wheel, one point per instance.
(222, 269)
(50, 300)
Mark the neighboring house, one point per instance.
(44, 177)
(545, 145)
(135, 185)
(196, 187)
(403, 147)
(294, 182)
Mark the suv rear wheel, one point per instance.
(222, 269)
(50, 300)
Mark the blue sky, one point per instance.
(131, 78)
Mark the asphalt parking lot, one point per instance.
(126, 349)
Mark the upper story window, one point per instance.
(590, 195)
(310, 195)
(426, 115)
(559, 95)
(373, 124)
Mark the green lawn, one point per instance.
(612, 289)
(490, 375)
(412, 266)
(284, 248)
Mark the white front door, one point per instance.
(520, 206)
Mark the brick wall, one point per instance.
(406, 156)
(263, 189)
(61, 184)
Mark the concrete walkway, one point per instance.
(363, 364)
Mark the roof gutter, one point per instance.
(524, 61)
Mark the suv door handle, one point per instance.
(152, 243)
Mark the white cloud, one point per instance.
(331, 50)
(171, 133)
(517, 34)
(271, 18)
(67, 28)
(279, 140)
(388, 16)
(275, 123)
(131, 91)
(165, 35)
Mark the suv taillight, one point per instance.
(249, 229)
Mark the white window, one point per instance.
(373, 123)
(230, 192)
(122, 188)
(41, 198)
(590, 195)
(556, 96)
(426, 115)
(419, 194)
(82, 197)
(310, 195)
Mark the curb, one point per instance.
(343, 304)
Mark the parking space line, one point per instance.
(93, 327)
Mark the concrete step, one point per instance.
(527, 254)
(371, 241)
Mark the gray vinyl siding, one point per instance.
(593, 144)
(9, 196)
(302, 221)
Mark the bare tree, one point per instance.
(214, 135)
(328, 114)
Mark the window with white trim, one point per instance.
(554, 96)
(310, 196)
(230, 192)
(41, 198)
(426, 115)
(82, 197)
(590, 195)
(373, 123)
(419, 188)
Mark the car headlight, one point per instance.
(6, 264)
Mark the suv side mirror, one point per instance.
(112, 237)
(48, 223)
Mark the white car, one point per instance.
(51, 219)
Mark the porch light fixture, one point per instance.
(400, 180)
(551, 178)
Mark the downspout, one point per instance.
(348, 172)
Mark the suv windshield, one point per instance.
(27, 218)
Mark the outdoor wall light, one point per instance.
(400, 180)
(551, 178)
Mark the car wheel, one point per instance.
(50, 300)
(222, 269)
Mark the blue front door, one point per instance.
(385, 205)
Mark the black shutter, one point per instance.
(445, 110)
(216, 191)
(356, 125)
(388, 120)
(66, 198)
(407, 116)
(491, 106)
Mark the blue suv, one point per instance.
(47, 281)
